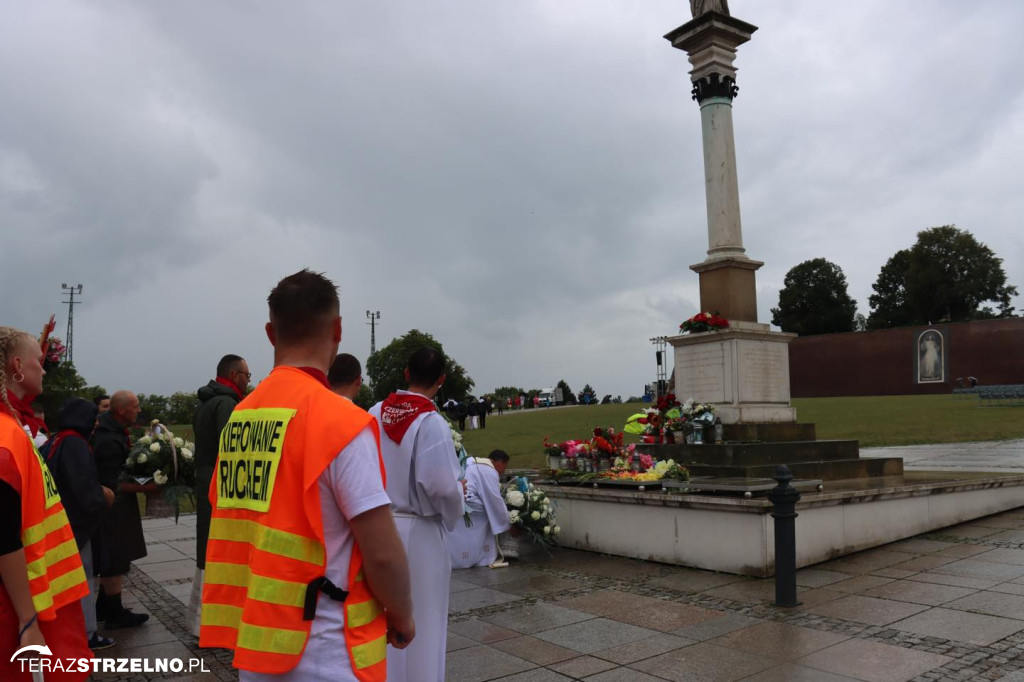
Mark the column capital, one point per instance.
(714, 85)
(710, 41)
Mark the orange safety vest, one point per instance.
(265, 556)
(55, 575)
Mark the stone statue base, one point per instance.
(743, 370)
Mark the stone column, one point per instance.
(744, 369)
(727, 285)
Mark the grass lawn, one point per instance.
(874, 421)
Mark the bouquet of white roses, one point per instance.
(163, 458)
(530, 510)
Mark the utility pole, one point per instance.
(373, 317)
(71, 291)
(662, 362)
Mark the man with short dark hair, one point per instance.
(306, 578)
(216, 401)
(423, 483)
(476, 545)
(345, 376)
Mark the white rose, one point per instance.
(128, 462)
(159, 477)
(513, 516)
(547, 530)
(515, 498)
(186, 454)
(178, 443)
(162, 436)
(535, 516)
(556, 530)
(141, 459)
(155, 447)
(544, 514)
(145, 440)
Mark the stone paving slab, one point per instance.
(943, 606)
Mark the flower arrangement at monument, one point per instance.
(648, 471)
(694, 411)
(703, 322)
(162, 458)
(530, 510)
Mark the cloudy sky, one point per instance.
(524, 180)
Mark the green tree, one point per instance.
(946, 276)
(181, 407)
(568, 397)
(386, 368)
(814, 300)
(152, 406)
(62, 381)
(506, 393)
(364, 398)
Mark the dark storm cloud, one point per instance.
(523, 180)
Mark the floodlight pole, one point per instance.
(373, 317)
(661, 360)
(71, 291)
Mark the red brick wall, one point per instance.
(883, 362)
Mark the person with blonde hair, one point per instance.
(41, 578)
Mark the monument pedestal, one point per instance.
(743, 370)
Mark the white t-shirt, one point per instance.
(349, 486)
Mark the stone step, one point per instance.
(831, 470)
(752, 454)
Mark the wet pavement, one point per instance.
(946, 605)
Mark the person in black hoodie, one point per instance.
(216, 401)
(71, 461)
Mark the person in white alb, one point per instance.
(427, 500)
(476, 545)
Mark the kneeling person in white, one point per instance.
(476, 545)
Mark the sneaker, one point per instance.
(125, 618)
(98, 642)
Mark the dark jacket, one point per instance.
(216, 401)
(110, 446)
(74, 468)
(120, 540)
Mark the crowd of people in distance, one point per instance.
(326, 533)
(471, 413)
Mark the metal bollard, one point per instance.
(784, 498)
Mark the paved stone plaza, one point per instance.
(947, 605)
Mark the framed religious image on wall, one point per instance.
(930, 357)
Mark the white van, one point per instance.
(546, 398)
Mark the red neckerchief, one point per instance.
(25, 412)
(398, 412)
(316, 374)
(225, 382)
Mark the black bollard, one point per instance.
(784, 498)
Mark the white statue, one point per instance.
(699, 7)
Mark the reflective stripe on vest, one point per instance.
(265, 544)
(54, 567)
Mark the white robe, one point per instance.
(426, 498)
(475, 546)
